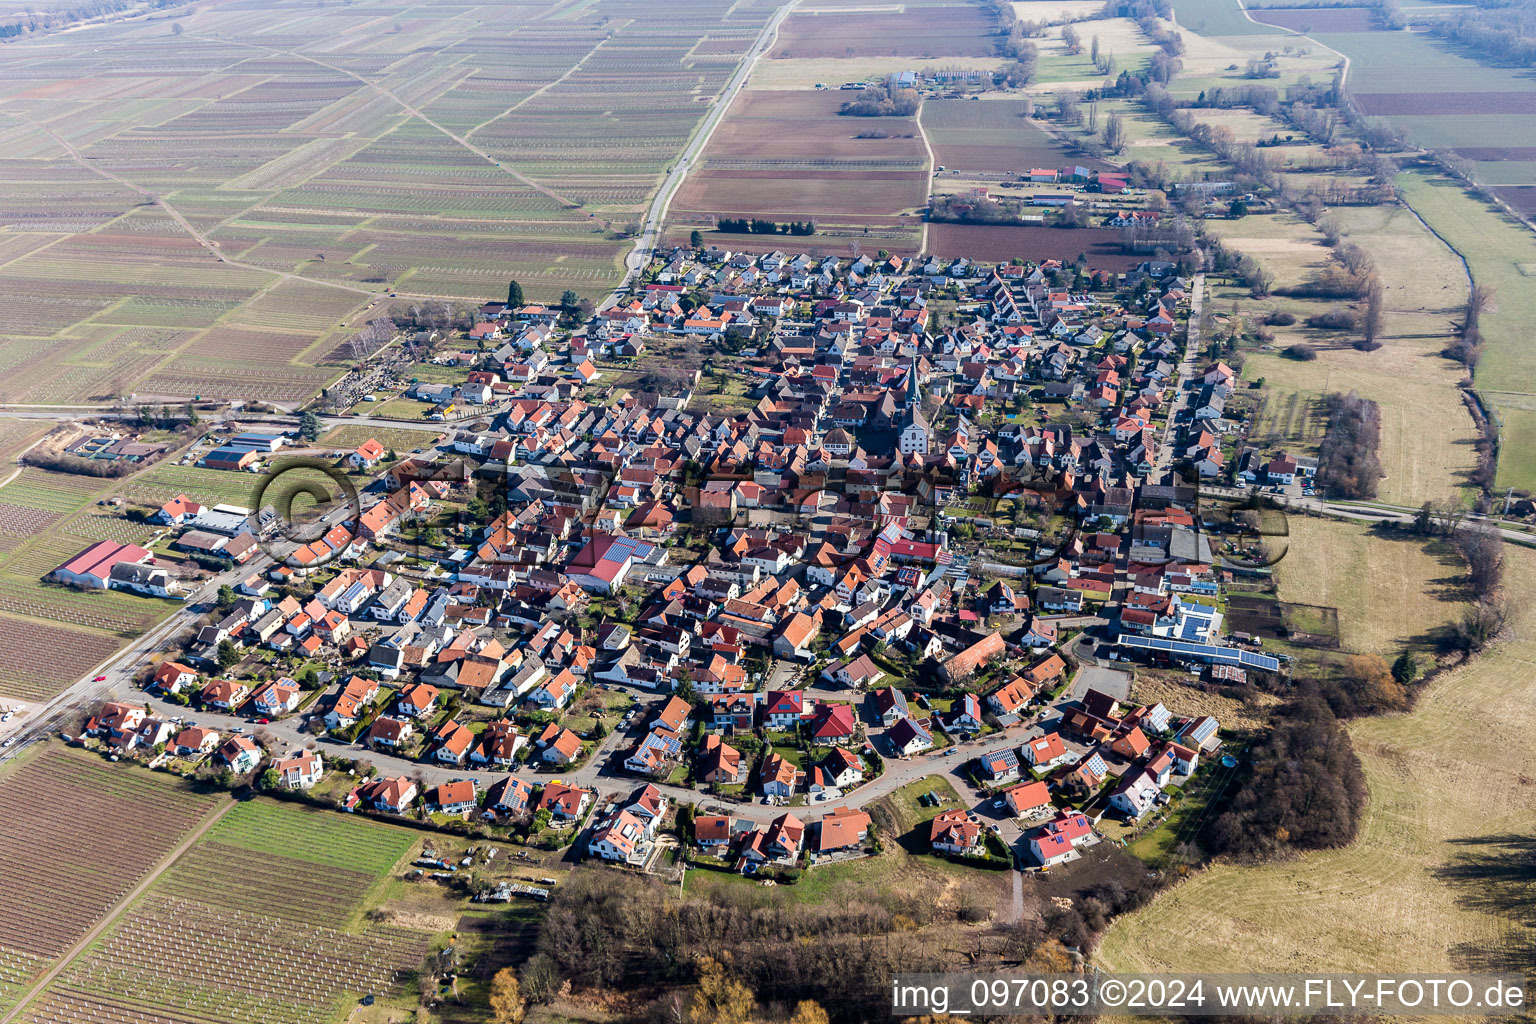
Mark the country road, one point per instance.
(656, 213)
(121, 668)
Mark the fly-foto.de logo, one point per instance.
(307, 512)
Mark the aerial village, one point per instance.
(953, 502)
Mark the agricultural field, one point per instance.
(953, 30)
(54, 634)
(1391, 901)
(1440, 97)
(1215, 18)
(806, 73)
(1501, 254)
(262, 919)
(1213, 58)
(185, 214)
(166, 480)
(1003, 242)
(993, 137)
(1311, 20)
(788, 155)
(76, 835)
(351, 435)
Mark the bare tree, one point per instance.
(370, 339)
(1372, 325)
(1483, 548)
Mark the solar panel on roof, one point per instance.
(1209, 652)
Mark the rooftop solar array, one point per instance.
(1205, 652)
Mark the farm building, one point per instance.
(93, 566)
(231, 458)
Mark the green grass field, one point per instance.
(313, 836)
(1495, 248)
(1217, 18)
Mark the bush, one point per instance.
(879, 101)
(1300, 353)
(1279, 318)
(1335, 320)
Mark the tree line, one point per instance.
(1503, 30)
(719, 956)
(881, 101)
(758, 226)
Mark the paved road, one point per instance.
(1185, 374)
(1363, 511)
(86, 412)
(123, 666)
(650, 231)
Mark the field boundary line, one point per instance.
(541, 90)
(186, 225)
(656, 214)
(419, 115)
(922, 133)
(118, 909)
(19, 467)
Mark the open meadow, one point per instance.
(1392, 901)
(1501, 253)
(1392, 594)
(212, 210)
(1428, 436)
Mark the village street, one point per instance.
(603, 770)
(1185, 374)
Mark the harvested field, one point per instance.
(1003, 242)
(992, 137)
(76, 834)
(1388, 902)
(959, 30)
(1318, 19)
(1519, 197)
(1493, 153)
(790, 156)
(1389, 104)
